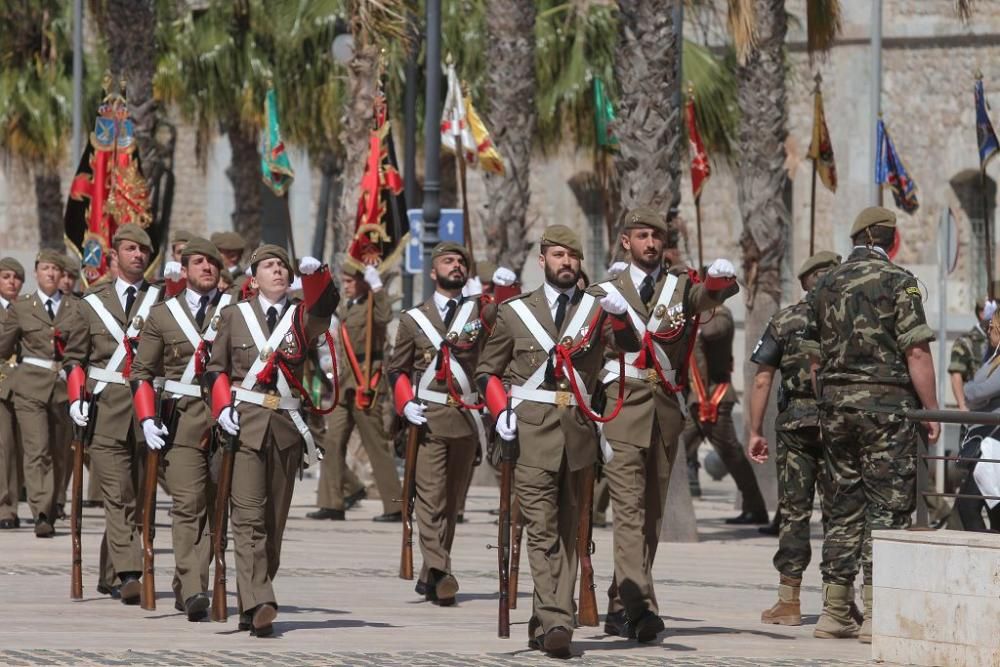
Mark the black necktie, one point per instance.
(272, 318)
(48, 307)
(449, 312)
(646, 290)
(129, 300)
(561, 310)
(202, 307)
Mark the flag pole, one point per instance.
(697, 220)
(987, 222)
(812, 200)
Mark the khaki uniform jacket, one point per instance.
(646, 401)
(354, 318)
(412, 356)
(545, 431)
(28, 332)
(713, 352)
(8, 362)
(94, 347)
(164, 351)
(234, 352)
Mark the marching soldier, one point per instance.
(179, 239)
(38, 327)
(869, 341)
(359, 405)
(258, 357)
(71, 275)
(231, 245)
(175, 345)
(663, 305)
(800, 448)
(967, 355)
(112, 316)
(11, 281)
(436, 350)
(548, 345)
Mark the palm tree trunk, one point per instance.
(648, 124)
(244, 173)
(48, 204)
(512, 118)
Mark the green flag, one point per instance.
(604, 115)
(275, 167)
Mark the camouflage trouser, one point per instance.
(800, 473)
(871, 458)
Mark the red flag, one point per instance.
(700, 169)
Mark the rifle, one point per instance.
(148, 598)
(587, 608)
(508, 454)
(409, 495)
(517, 533)
(81, 439)
(220, 612)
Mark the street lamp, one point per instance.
(432, 139)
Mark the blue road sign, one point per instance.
(449, 229)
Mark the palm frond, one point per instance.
(714, 84)
(823, 25)
(742, 21)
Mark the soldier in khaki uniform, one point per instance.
(175, 345)
(259, 356)
(446, 324)
(232, 246)
(359, 406)
(39, 328)
(663, 304)
(112, 315)
(11, 281)
(545, 344)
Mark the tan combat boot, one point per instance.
(836, 623)
(865, 636)
(786, 610)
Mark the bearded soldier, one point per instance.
(175, 345)
(549, 412)
(258, 358)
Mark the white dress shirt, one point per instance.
(441, 302)
(194, 299)
(552, 297)
(56, 300)
(121, 286)
(279, 304)
(4, 303)
(638, 275)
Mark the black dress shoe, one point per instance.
(647, 627)
(114, 591)
(92, 503)
(421, 587)
(43, 528)
(556, 642)
(389, 517)
(131, 589)
(353, 500)
(246, 621)
(327, 513)
(60, 512)
(459, 518)
(616, 625)
(8, 524)
(196, 607)
(749, 518)
(263, 618)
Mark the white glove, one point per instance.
(988, 310)
(504, 277)
(473, 287)
(617, 268)
(155, 435)
(172, 270)
(414, 413)
(373, 278)
(309, 265)
(506, 432)
(229, 420)
(722, 268)
(78, 412)
(614, 304)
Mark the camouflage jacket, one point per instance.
(863, 316)
(781, 347)
(967, 353)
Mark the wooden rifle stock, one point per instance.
(587, 607)
(409, 494)
(220, 610)
(81, 439)
(517, 533)
(148, 597)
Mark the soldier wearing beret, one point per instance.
(176, 343)
(11, 281)
(71, 275)
(967, 354)
(870, 344)
(232, 246)
(663, 304)
(254, 380)
(548, 346)
(100, 359)
(799, 446)
(178, 240)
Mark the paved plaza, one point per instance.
(341, 602)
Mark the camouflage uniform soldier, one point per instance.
(870, 342)
(800, 450)
(967, 355)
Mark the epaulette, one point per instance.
(26, 297)
(677, 270)
(516, 297)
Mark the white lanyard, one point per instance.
(461, 318)
(192, 334)
(115, 330)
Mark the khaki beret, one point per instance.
(871, 216)
(132, 232)
(228, 241)
(563, 236)
(818, 261)
(352, 265)
(70, 265)
(11, 264)
(195, 245)
(645, 217)
(267, 251)
(181, 236)
(50, 256)
(449, 248)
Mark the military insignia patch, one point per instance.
(913, 291)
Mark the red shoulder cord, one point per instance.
(445, 353)
(564, 367)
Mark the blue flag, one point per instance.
(987, 138)
(889, 170)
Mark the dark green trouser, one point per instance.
(800, 473)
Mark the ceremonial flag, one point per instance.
(820, 148)
(987, 138)
(108, 189)
(275, 167)
(700, 169)
(604, 115)
(889, 170)
(454, 122)
(489, 157)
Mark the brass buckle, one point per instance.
(271, 401)
(564, 399)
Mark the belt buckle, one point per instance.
(452, 403)
(652, 377)
(271, 401)
(564, 399)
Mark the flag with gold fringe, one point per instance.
(820, 148)
(489, 156)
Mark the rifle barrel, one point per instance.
(953, 417)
